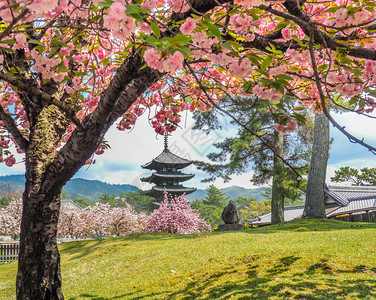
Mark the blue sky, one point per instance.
(129, 150)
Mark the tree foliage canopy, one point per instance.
(97, 61)
(244, 150)
(364, 176)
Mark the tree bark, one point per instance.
(39, 274)
(277, 187)
(39, 261)
(315, 198)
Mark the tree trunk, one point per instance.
(39, 260)
(315, 205)
(277, 187)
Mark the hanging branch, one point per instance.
(13, 130)
(239, 122)
(351, 138)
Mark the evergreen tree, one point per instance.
(4, 202)
(138, 201)
(63, 195)
(107, 198)
(238, 153)
(211, 207)
(215, 197)
(366, 176)
(80, 201)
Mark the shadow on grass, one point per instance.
(81, 248)
(304, 225)
(123, 296)
(279, 281)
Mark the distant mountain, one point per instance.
(12, 184)
(91, 190)
(233, 192)
(237, 191)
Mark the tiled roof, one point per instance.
(359, 198)
(167, 158)
(355, 207)
(349, 193)
(71, 204)
(161, 176)
(291, 212)
(348, 199)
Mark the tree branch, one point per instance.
(297, 15)
(239, 122)
(43, 96)
(351, 138)
(13, 130)
(7, 30)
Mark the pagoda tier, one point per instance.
(159, 178)
(158, 191)
(167, 175)
(167, 160)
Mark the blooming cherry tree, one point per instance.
(97, 221)
(10, 218)
(176, 216)
(70, 69)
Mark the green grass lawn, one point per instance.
(296, 260)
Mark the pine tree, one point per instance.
(244, 150)
(211, 207)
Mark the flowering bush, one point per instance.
(175, 215)
(10, 218)
(100, 220)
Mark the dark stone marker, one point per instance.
(231, 218)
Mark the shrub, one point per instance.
(175, 215)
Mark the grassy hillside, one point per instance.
(297, 260)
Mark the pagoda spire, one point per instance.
(166, 141)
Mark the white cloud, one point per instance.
(129, 150)
(358, 125)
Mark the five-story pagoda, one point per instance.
(167, 175)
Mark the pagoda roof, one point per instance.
(157, 191)
(160, 176)
(167, 158)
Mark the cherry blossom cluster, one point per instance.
(10, 218)
(100, 220)
(290, 126)
(173, 216)
(176, 216)
(204, 57)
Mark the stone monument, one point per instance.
(231, 218)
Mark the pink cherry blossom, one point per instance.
(177, 217)
(286, 33)
(188, 26)
(10, 161)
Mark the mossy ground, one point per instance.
(295, 260)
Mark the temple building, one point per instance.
(167, 175)
(346, 203)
